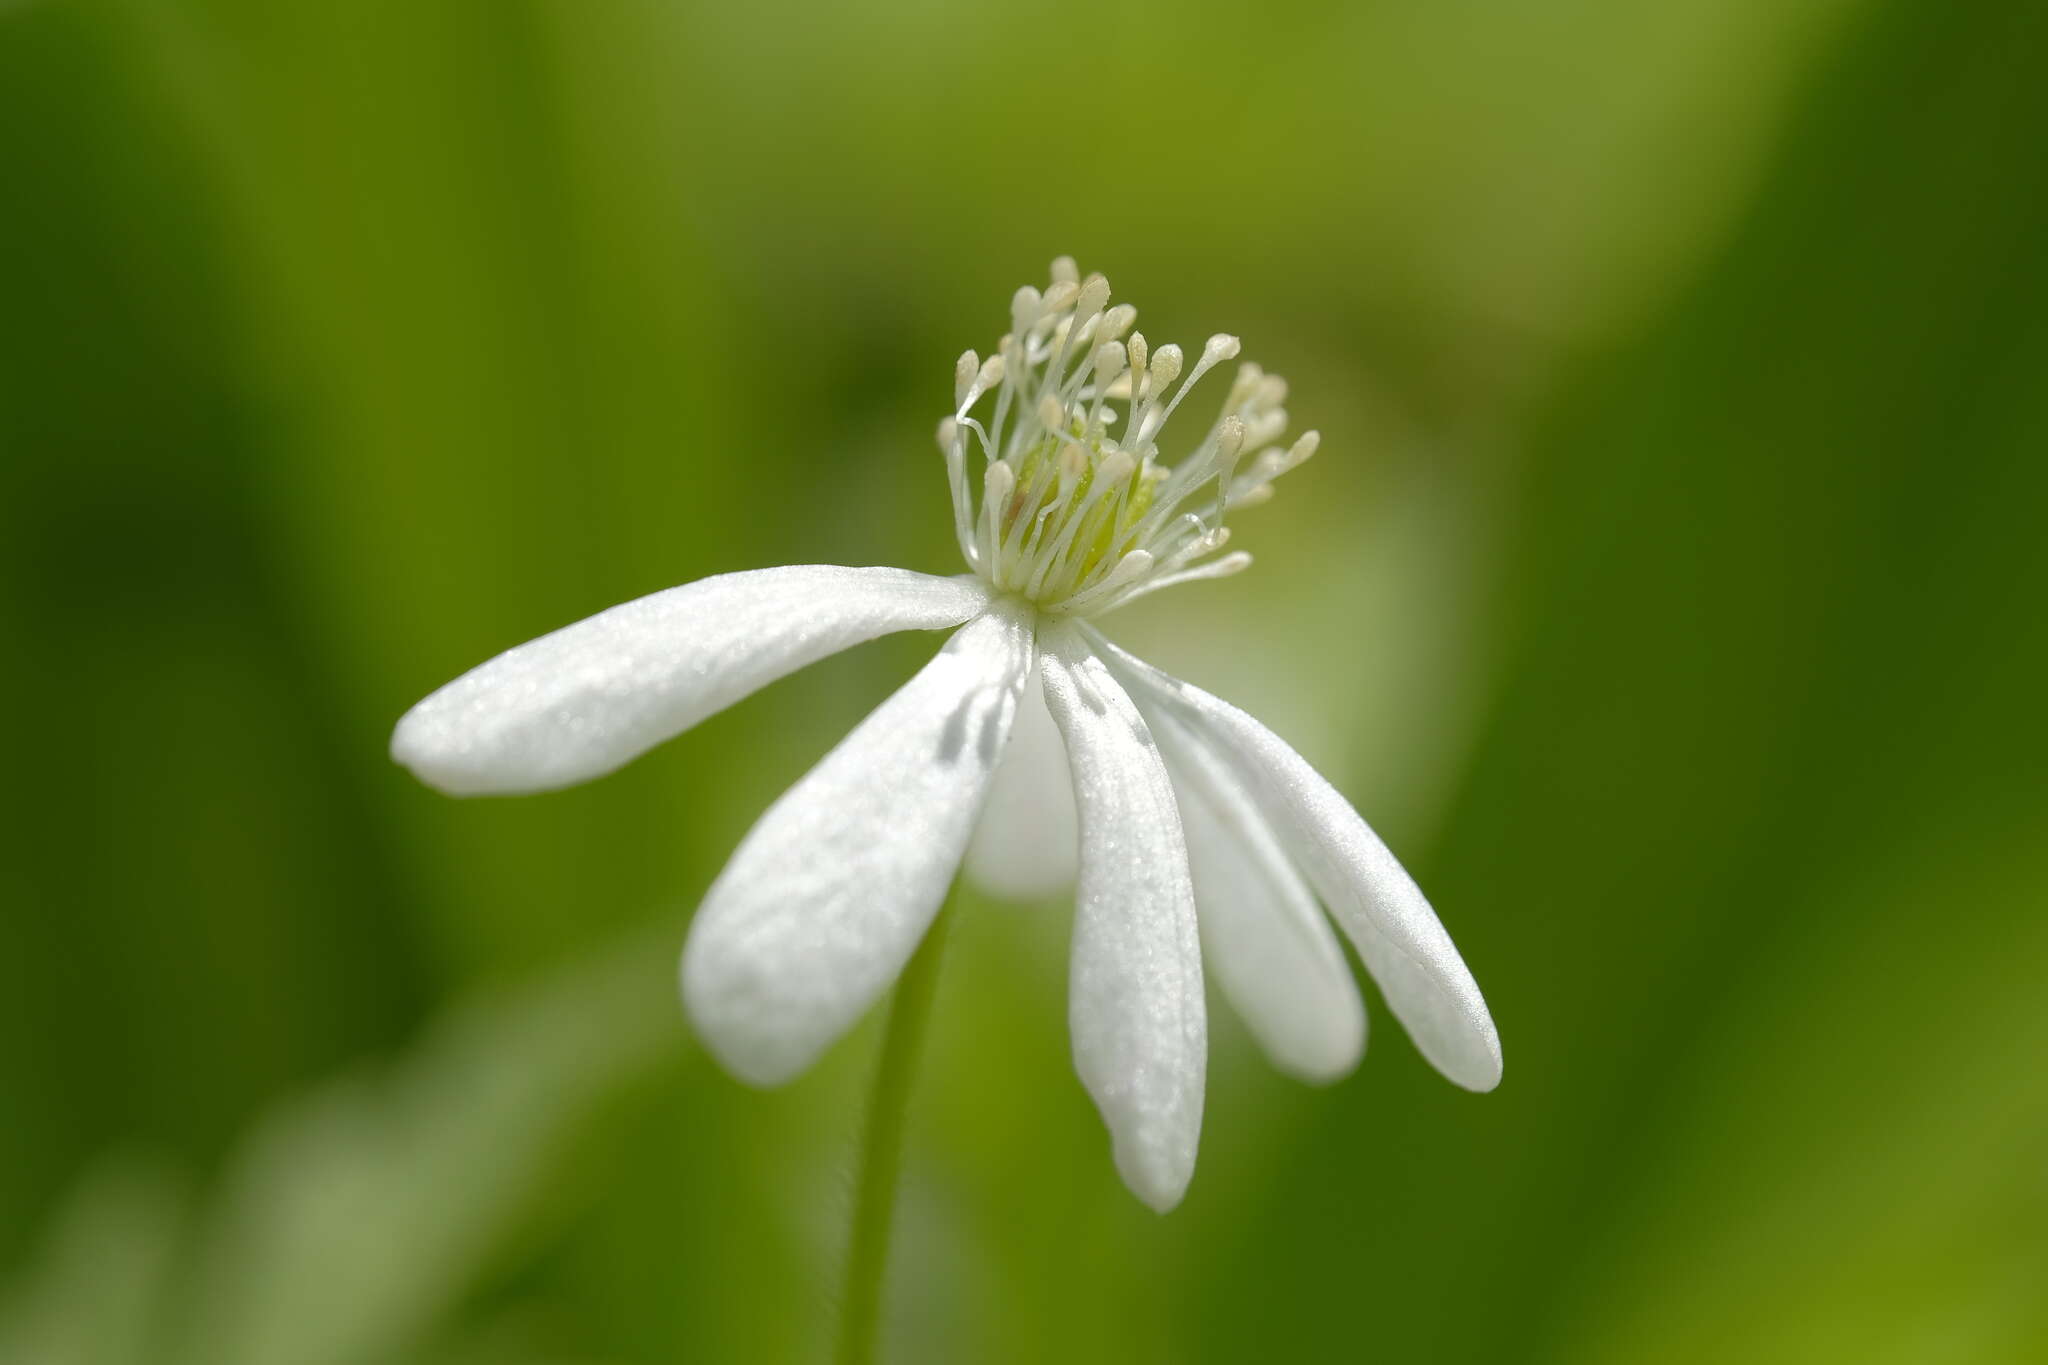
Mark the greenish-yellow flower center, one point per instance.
(1076, 513)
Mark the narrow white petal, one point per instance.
(1139, 1026)
(588, 698)
(828, 895)
(1265, 938)
(1025, 847)
(1378, 904)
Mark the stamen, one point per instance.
(1109, 363)
(987, 376)
(1094, 297)
(1070, 517)
(1236, 562)
(1088, 300)
(955, 451)
(995, 494)
(1220, 347)
(1129, 570)
(964, 371)
(1051, 415)
(1024, 306)
(1164, 370)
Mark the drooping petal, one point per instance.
(1265, 938)
(1136, 1011)
(1404, 945)
(588, 698)
(1025, 847)
(827, 896)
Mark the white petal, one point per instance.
(1140, 1031)
(1268, 942)
(580, 702)
(1378, 904)
(828, 895)
(1025, 847)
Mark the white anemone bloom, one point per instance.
(1187, 818)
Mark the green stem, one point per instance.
(867, 1255)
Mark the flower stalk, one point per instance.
(881, 1157)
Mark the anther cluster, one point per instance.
(1077, 513)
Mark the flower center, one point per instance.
(1076, 513)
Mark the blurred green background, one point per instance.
(1669, 591)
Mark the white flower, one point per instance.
(1182, 802)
